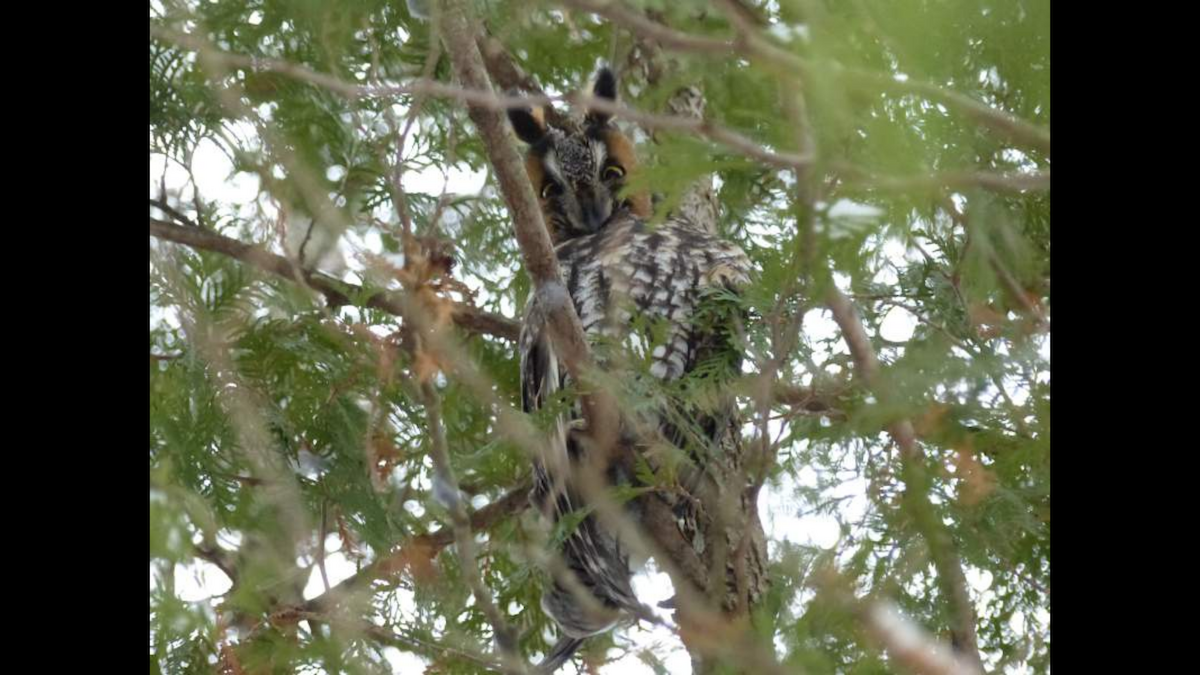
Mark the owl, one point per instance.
(630, 282)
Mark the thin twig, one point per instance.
(429, 649)
(170, 211)
(907, 643)
(642, 25)
(338, 292)
(1010, 284)
(508, 76)
(447, 493)
(1013, 182)
(321, 546)
(513, 501)
(483, 97)
(218, 556)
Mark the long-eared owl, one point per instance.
(625, 277)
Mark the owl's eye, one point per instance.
(551, 189)
(613, 172)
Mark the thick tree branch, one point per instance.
(541, 262)
(537, 250)
(466, 317)
(338, 292)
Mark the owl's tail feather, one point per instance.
(563, 650)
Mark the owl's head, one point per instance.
(578, 174)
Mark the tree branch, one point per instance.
(1013, 182)
(1011, 286)
(806, 398)
(509, 76)
(1006, 124)
(479, 95)
(910, 646)
(446, 492)
(218, 556)
(642, 25)
(905, 642)
(170, 211)
(537, 251)
(570, 343)
(431, 650)
(1011, 127)
(945, 559)
(469, 318)
(430, 544)
(466, 317)
(383, 635)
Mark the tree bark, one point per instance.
(728, 541)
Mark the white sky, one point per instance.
(201, 581)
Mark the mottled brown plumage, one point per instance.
(621, 272)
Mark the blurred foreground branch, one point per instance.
(950, 574)
(337, 292)
(446, 492)
(748, 44)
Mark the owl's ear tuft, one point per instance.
(606, 84)
(530, 125)
(605, 88)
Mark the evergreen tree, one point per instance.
(336, 442)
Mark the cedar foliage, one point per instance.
(257, 380)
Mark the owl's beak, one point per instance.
(596, 211)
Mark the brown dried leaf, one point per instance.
(228, 662)
(288, 616)
(414, 559)
(977, 481)
(985, 315)
(931, 420)
(425, 366)
(440, 309)
(349, 547)
(385, 456)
